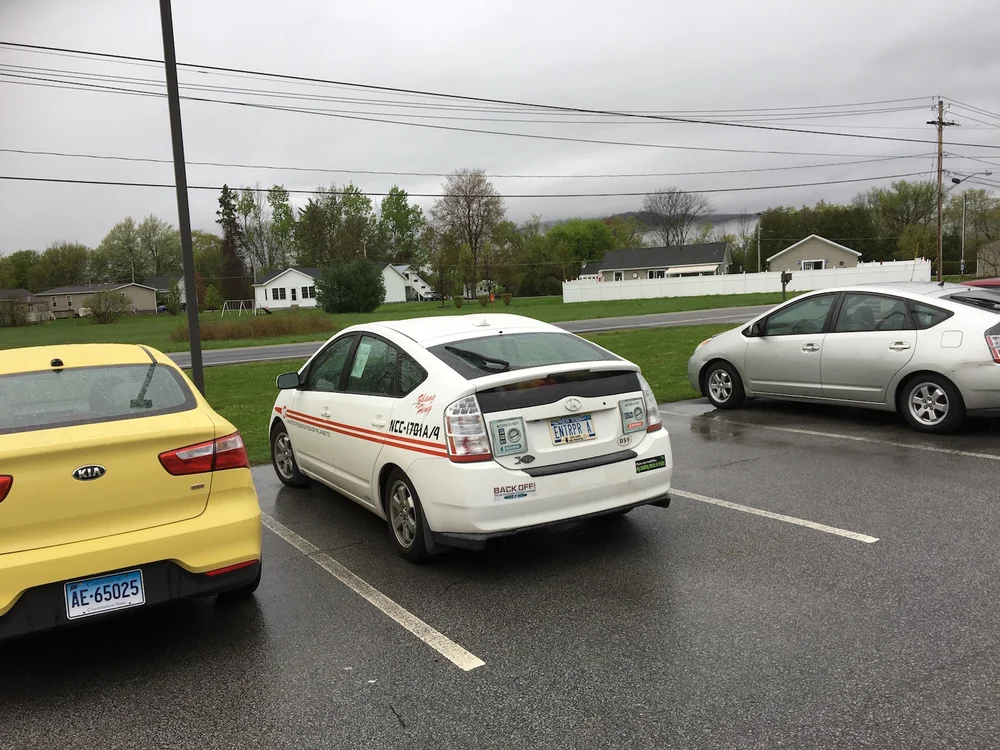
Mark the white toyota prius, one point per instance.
(462, 428)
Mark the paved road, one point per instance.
(697, 626)
(660, 320)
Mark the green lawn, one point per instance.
(154, 330)
(244, 394)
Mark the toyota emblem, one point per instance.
(573, 404)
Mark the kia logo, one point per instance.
(86, 473)
(573, 404)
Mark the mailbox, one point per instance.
(786, 276)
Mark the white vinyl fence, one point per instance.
(692, 286)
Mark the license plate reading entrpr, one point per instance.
(104, 594)
(572, 429)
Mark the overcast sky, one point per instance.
(670, 55)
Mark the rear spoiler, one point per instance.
(532, 373)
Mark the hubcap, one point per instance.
(720, 386)
(283, 459)
(402, 514)
(929, 404)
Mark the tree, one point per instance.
(674, 213)
(7, 274)
(173, 300)
(356, 232)
(213, 298)
(62, 264)
(317, 227)
(121, 255)
(207, 251)
(108, 307)
(852, 225)
(442, 256)
(917, 240)
(353, 287)
(161, 244)
(399, 229)
(579, 241)
(235, 284)
(13, 312)
(470, 211)
(20, 264)
(282, 226)
(626, 232)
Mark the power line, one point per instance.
(68, 181)
(451, 128)
(980, 110)
(103, 157)
(488, 100)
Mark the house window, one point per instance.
(265, 294)
(308, 292)
(294, 290)
(55, 302)
(813, 265)
(278, 293)
(656, 274)
(619, 275)
(69, 301)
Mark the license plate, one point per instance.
(572, 429)
(104, 594)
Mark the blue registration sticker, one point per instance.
(104, 594)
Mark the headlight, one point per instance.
(706, 341)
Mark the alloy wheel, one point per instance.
(720, 386)
(402, 514)
(929, 404)
(283, 458)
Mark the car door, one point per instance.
(362, 415)
(784, 359)
(312, 406)
(871, 340)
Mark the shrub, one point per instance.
(259, 326)
(552, 286)
(13, 313)
(213, 298)
(354, 287)
(458, 300)
(484, 299)
(507, 298)
(173, 300)
(108, 307)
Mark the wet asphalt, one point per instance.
(697, 626)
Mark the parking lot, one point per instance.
(858, 610)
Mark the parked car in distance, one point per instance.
(459, 429)
(119, 488)
(929, 351)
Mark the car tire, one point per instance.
(723, 386)
(245, 591)
(931, 403)
(283, 458)
(405, 518)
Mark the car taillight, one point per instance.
(993, 342)
(213, 455)
(653, 421)
(6, 482)
(465, 432)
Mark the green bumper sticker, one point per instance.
(650, 464)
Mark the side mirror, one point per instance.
(757, 329)
(288, 381)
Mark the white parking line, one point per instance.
(777, 516)
(433, 638)
(855, 438)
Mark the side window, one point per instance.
(925, 316)
(872, 312)
(806, 316)
(411, 374)
(373, 370)
(325, 371)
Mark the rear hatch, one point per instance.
(83, 445)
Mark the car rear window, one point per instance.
(985, 299)
(88, 395)
(488, 355)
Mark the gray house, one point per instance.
(708, 259)
(814, 253)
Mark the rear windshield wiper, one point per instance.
(481, 361)
(984, 302)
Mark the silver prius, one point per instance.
(930, 351)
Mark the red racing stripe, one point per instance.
(389, 440)
(365, 431)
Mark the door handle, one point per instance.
(899, 346)
(378, 422)
(325, 412)
(810, 348)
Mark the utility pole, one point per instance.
(965, 201)
(758, 243)
(940, 123)
(180, 180)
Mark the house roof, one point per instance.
(14, 294)
(272, 275)
(87, 288)
(160, 283)
(591, 269)
(831, 243)
(662, 257)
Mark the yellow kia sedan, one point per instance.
(119, 488)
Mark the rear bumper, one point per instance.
(228, 532)
(479, 501)
(44, 607)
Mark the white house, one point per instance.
(418, 289)
(296, 287)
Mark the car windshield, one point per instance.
(475, 358)
(88, 395)
(987, 299)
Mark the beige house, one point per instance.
(635, 264)
(66, 301)
(814, 253)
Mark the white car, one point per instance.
(462, 428)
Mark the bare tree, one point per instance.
(988, 260)
(673, 214)
(470, 210)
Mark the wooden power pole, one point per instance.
(940, 186)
